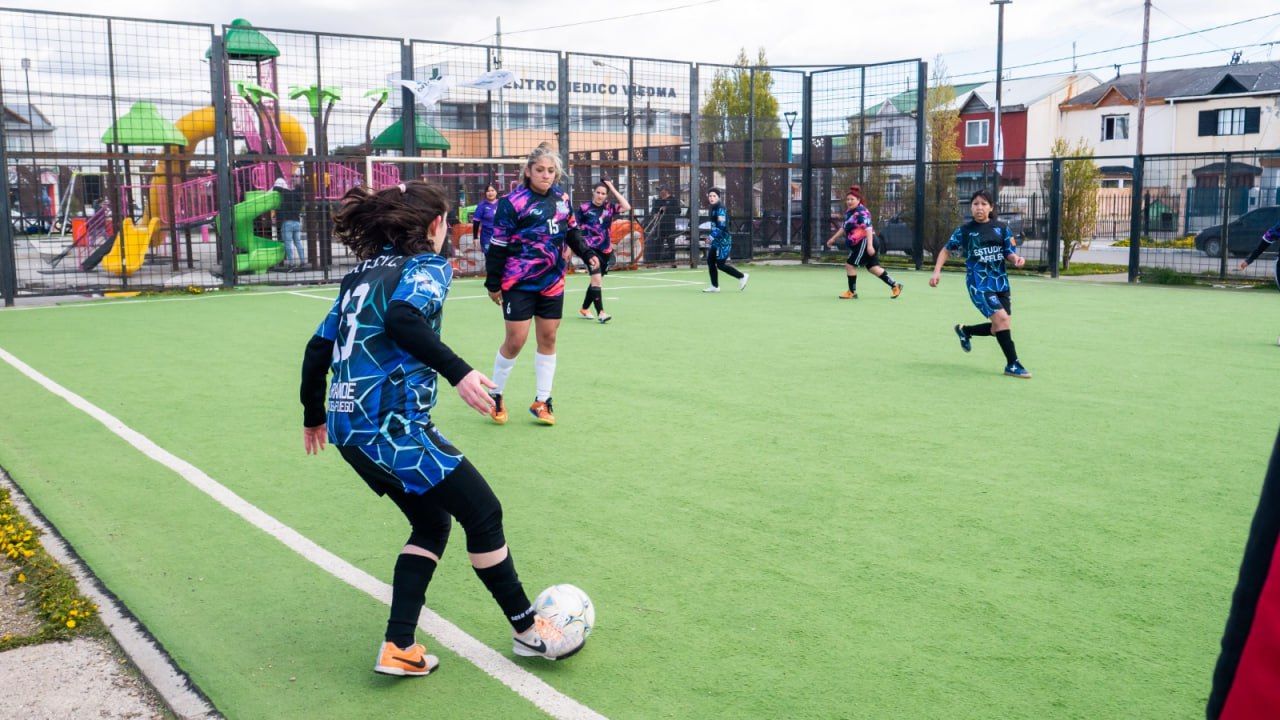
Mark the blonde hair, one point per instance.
(544, 151)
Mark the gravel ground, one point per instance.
(83, 678)
(122, 675)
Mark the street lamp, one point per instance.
(31, 127)
(998, 145)
(790, 117)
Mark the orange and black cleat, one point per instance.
(499, 410)
(413, 660)
(542, 411)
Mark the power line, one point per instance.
(617, 17)
(1128, 47)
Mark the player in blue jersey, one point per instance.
(1268, 239)
(859, 237)
(381, 341)
(721, 243)
(594, 219)
(482, 218)
(525, 269)
(986, 244)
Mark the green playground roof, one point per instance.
(144, 125)
(245, 43)
(428, 138)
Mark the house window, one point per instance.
(891, 135)
(1230, 121)
(1115, 127)
(976, 133)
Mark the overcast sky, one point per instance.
(961, 32)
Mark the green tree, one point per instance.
(726, 123)
(1079, 195)
(728, 107)
(942, 126)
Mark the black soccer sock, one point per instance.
(983, 330)
(504, 585)
(586, 300)
(1005, 338)
(887, 279)
(408, 591)
(599, 299)
(853, 282)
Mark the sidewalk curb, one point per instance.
(175, 689)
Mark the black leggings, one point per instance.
(714, 262)
(463, 494)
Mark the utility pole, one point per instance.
(997, 139)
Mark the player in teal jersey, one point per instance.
(381, 342)
(986, 244)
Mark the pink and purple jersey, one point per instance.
(857, 226)
(531, 228)
(594, 221)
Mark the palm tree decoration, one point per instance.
(253, 95)
(382, 94)
(317, 96)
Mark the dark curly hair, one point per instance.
(398, 216)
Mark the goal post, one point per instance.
(463, 180)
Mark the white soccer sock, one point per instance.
(502, 370)
(544, 367)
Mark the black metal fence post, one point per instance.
(1055, 218)
(806, 169)
(922, 97)
(1225, 197)
(8, 257)
(695, 166)
(222, 154)
(1135, 219)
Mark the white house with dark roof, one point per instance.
(26, 128)
(1229, 108)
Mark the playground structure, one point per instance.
(159, 203)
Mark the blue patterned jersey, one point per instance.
(532, 228)
(594, 221)
(721, 239)
(857, 226)
(984, 246)
(379, 392)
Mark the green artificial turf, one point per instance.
(781, 503)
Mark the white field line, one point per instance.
(524, 683)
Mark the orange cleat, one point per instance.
(848, 295)
(542, 411)
(411, 661)
(499, 411)
(897, 290)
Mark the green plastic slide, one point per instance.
(256, 253)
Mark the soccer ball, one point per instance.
(567, 607)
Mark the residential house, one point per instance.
(1222, 109)
(1029, 123)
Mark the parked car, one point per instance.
(1244, 233)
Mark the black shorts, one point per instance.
(521, 305)
(607, 260)
(858, 256)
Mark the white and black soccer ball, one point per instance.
(567, 607)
